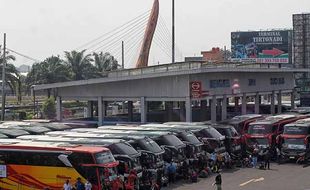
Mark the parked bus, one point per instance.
(263, 133)
(294, 141)
(241, 122)
(128, 157)
(40, 165)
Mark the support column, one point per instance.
(213, 109)
(182, 111)
(236, 100)
(293, 100)
(224, 108)
(169, 111)
(100, 111)
(188, 109)
(257, 103)
(272, 104)
(58, 108)
(279, 102)
(90, 109)
(130, 111)
(203, 110)
(143, 110)
(243, 108)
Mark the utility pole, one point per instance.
(173, 33)
(123, 55)
(3, 78)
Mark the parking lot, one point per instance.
(280, 177)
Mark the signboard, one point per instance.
(261, 46)
(3, 171)
(196, 89)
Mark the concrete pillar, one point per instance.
(188, 109)
(182, 111)
(100, 111)
(213, 109)
(243, 108)
(236, 99)
(293, 100)
(169, 111)
(90, 109)
(272, 104)
(130, 111)
(203, 110)
(58, 108)
(279, 102)
(257, 103)
(224, 108)
(143, 110)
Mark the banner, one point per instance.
(261, 46)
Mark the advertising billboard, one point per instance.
(261, 46)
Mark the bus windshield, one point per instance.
(150, 145)
(211, 133)
(123, 148)
(296, 130)
(104, 157)
(190, 137)
(260, 129)
(172, 140)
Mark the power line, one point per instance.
(25, 56)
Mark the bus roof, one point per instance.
(129, 132)
(304, 121)
(242, 118)
(276, 119)
(186, 123)
(72, 140)
(3, 136)
(13, 133)
(48, 146)
(55, 126)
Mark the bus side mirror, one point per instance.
(64, 159)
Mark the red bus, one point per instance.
(38, 165)
(264, 132)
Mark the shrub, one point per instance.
(49, 108)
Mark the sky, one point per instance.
(41, 28)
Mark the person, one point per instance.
(278, 155)
(254, 157)
(218, 181)
(172, 169)
(67, 185)
(267, 158)
(131, 180)
(79, 185)
(88, 185)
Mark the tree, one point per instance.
(49, 108)
(12, 75)
(80, 65)
(105, 62)
(51, 70)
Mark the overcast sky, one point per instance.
(41, 28)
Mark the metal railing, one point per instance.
(186, 66)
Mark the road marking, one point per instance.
(252, 180)
(259, 179)
(245, 183)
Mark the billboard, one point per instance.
(261, 46)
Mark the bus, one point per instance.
(241, 122)
(294, 141)
(38, 165)
(128, 157)
(263, 133)
(193, 145)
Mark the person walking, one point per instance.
(218, 181)
(79, 185)
(267, 158)
(67, 185)
(254, 157)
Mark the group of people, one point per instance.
(259, 154)
(79, 185)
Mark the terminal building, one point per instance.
(185, 83)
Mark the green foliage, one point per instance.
(80, 65)
(105, 62)
(49, 108)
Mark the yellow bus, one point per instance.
(26, 165)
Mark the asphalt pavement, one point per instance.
(281, 177)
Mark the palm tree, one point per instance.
(105, 62)
(12, 75)
(80, 65)
(51, 70)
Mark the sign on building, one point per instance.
(196, 89)
(262, 46)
